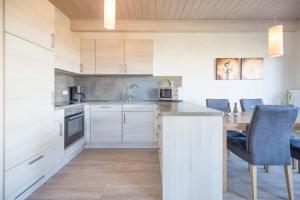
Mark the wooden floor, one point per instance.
(271, 186)
(106, 175)
(134, 175)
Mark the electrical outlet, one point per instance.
(65, 92)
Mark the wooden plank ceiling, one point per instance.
(183, 9)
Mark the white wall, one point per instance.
(192, 55)
(1, 101)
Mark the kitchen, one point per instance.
(117, 110)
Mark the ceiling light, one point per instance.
(276, 41)
(109, 14)
(276, 37)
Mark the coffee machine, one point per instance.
(76, 94)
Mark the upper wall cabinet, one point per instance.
(67, 44)
(76, 53)
(139, 57)
(32, 20)
(110, 57)
(87, 56)
(119, 56)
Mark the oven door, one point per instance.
(165, 93)
(74, 128)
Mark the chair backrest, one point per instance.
(269, 134)
(218, 104)
(248, 105)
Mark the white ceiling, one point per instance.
(183, 9)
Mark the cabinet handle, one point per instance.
(124, 118)
(53, 40)
(81, 68)
(35, 160)
(60, 129)
(105, 106)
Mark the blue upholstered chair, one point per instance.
(267, 142)
(218, 104)
(221, 105)
(248, 105)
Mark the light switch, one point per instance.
(65, 92)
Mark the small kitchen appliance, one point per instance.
(76, 94)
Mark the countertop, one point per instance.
(185, 109)
(166, 108)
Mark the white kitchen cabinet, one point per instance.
(87, 56)
(67, 45)
(137, 127)
(116, 56)
(59, 139)
(75, 53)
(24, 178)
(29, 106)
(110, 56)
(106, 123)
(138, 56)
(87, 123)
(32, 20)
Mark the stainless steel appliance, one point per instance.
(76, 94)
(170, 94)
(74, 124)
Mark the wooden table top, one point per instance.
(244, 118)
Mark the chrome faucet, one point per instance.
(130, 97)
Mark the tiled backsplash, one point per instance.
(62, 82)
(112, 87)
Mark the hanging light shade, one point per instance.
(276, 41)
(109, 14)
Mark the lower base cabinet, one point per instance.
(106, 123)
(122, 126)
(25, 177)
(138, 127)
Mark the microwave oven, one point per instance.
(170, 94)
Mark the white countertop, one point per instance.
(166, 108)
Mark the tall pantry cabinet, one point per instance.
(29, 86)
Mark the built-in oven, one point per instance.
(74, 124)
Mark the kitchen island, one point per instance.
(190, 151)
(189, 138)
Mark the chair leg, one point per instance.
(293, 163)
(267, 168)
(253, 174)
(289, 181)
(298, 166)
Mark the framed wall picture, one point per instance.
(228, 69)
(252, 68)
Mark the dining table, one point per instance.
(239, 123)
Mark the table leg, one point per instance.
(224, 160)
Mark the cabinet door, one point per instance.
(87, 56)
(29, 110)
(109, 56)
(31, 20)
(76, 54)
(87, 123)
(106, 127)
(63, 43)
(138, 127)
(139, 56)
